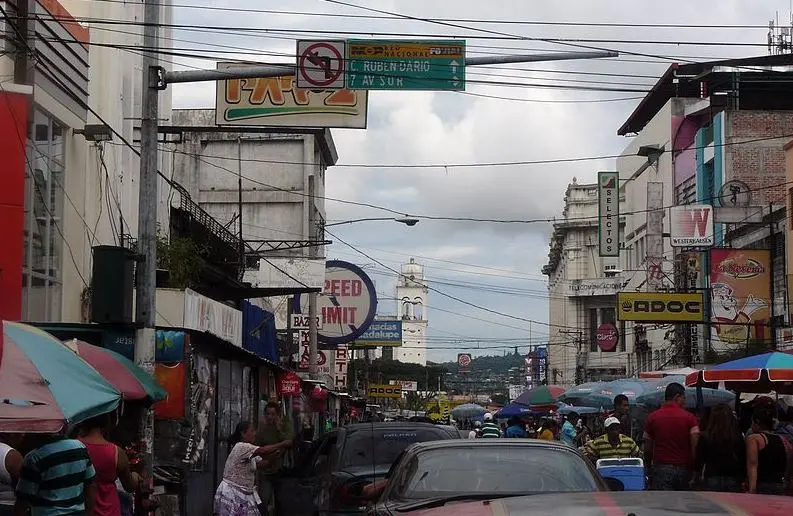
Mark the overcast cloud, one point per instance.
(454, 128)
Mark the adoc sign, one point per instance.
(660, 307)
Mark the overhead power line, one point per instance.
(282, 12)
(204, 159)
(494, 35)
(454, 298)
(485, 164)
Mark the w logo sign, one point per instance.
(692, 225)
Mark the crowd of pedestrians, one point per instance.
(680, 452)
(80, 473)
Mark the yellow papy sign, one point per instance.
(384, 391)
(660, 307)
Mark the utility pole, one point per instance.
(655, 230)
(146, 288)
(241, 243)
(312, 297)
(772, 290)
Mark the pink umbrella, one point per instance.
(44, 386)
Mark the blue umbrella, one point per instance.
(601, 394)
(661, 383)
(467, 410)
(565, 409)
(513, 409)
(581, 391)
(629, 387)
(710, 398)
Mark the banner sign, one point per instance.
(297, 273)
(740, 286)
(381, 333)
(384, 391)
(204, 314)
(691, 225)
(407, 385)
(608, 213)
(660, 307)
(278, 102)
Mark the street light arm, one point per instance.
(406, 220)
(353, 221)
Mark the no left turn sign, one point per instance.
(320, 64)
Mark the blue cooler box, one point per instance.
(628, 471)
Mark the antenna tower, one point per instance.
(780, 37)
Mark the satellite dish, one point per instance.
(734, 194)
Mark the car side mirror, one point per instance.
(614, 484)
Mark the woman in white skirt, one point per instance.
(236, 494)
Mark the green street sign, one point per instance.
(406, 65)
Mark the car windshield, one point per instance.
(362, 448)
(492, 469)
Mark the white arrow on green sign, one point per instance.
(406, 65)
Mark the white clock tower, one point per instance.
(411, 296)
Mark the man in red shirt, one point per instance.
(670, 439)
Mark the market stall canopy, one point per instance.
(132, 382)
(581, 391)
(467, 410)
(758, 373)
(44, 387)
(542, 396)
(601, 394)
(710, 398)
(668, 372)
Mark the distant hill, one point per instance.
(495, 364)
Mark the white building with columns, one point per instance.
(582, 288)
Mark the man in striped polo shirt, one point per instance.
(489, 428)
(613, 444)
(56, 480)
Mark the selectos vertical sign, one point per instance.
(608, 213)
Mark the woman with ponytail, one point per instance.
(236, 494)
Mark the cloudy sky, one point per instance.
(541, 111)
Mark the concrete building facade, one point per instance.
(722, 126)
(701, 127)
(266, 174)
(76, 192)
(582, 289)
